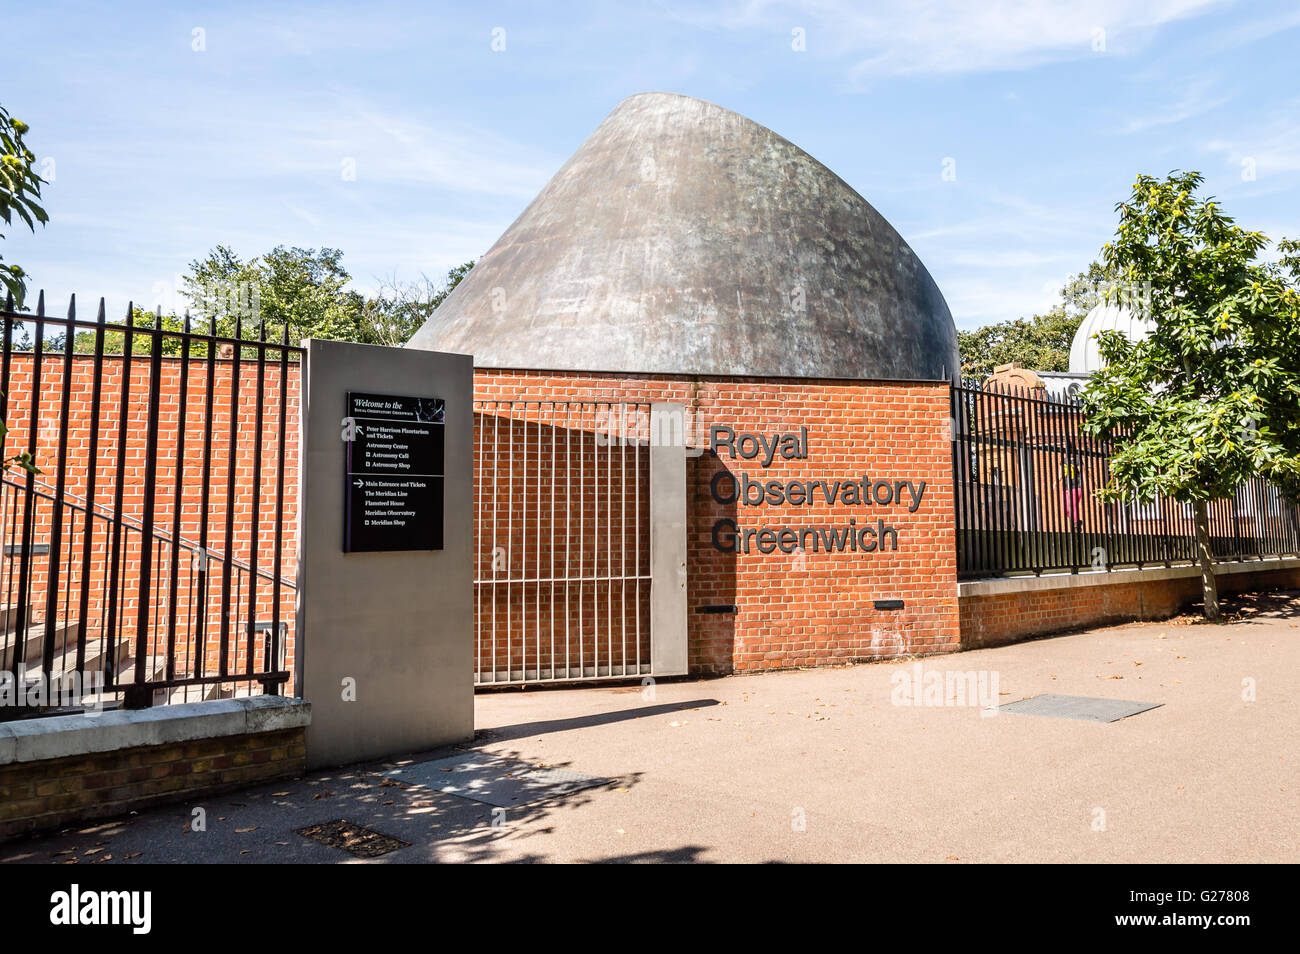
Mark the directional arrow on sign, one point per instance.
(358, 483)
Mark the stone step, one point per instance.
(65, 633)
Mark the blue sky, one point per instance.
(159, 151)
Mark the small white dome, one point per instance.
(1084, 356)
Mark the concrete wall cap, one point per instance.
(33, 740)
(1118, 577)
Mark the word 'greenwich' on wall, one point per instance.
(729, 536)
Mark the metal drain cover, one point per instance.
(1078, 707)
(355, 840)
(493, 780)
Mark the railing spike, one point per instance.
(72, 307)
(100, 316)
(40, 304)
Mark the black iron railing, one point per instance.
(1025, 482)
(148, 557)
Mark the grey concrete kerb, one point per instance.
(1118, 577)
(33, 740)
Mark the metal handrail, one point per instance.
(106, 514)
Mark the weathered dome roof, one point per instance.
(684, 238)
(1084, 356)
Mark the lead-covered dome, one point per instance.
(684, 238)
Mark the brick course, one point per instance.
(996, 620)
(52, 793)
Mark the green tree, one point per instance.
(115, 341)
(1212, 397)
(1041, 342)
(303, 289)
(400, 308)
(306, 290)
(20, 187)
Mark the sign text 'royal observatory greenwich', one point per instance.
(742, 490)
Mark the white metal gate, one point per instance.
(563, 556)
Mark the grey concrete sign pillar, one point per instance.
(385, 639)
(668, 540)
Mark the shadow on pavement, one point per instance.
(506, 733)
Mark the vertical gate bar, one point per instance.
(60, 489)
(962, 492)
(67, 589)
(254, 544)
(92, 470)
(6, 351)
(622, 534)
(636, 531)
(479, 464)
(582, 538)
(536, 510)
(555, 420)
(523, 554)
(273, 651)
(510, 542)
(537, 542)
(956, 479)
(525, 520)
(568, 525)
(1042, 493)
(983, 442)
(178, 490)
(1236, 524)
(974, 473)
(1167, 541)
(1024, 470)
(231, 456)
(25, 547)
(609, 554)
(11, 534)
(1089, 452)
(8, 498)
(1061, 452)
(1004, 404)
(1052, 472)
(201, 629)
(496, 445)
(138, 699)
(1070, 451)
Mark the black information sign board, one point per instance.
(394, 473)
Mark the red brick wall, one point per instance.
(172, 425)
(796, 609)
(1011, 617)
(38, 796)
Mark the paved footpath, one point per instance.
(820, 765)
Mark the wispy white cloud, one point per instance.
(1273, 148)
(952, 36)
(1197, 96)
